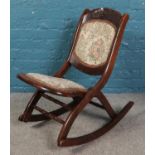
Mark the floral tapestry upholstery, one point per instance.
(55, 83)
(94, 41)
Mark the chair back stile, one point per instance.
(112, 58)
(94, 50)
(94, 39)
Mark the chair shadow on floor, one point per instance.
(76, 149)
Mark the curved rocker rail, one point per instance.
(27, 116)
(81, 99)
(57, 112)
(92, 136)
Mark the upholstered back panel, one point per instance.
(94, 41)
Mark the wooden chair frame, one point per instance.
(80, 100)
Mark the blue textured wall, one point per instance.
(41, 32)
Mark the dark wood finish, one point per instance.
(41, 87)
(106, 105)
(96, 104)
(57, 112)
(49, 115)
(81, 100)
(92, 136)
(111, 16)
(63, 69)
(56, 101)
(30, 107)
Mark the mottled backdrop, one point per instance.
(41, 34)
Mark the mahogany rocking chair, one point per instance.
(94, 49)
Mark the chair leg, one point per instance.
(106, 104)
(57, 112)
(25, 117)
(63, 140)
(76, 107)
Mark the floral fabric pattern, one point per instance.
(94, 42)
(56, 83)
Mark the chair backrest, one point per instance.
(94, 39)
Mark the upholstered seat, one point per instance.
(94, 50)
(54, 83)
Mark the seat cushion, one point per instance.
(95, 41)
(57, 84)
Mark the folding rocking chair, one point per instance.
(94, 49)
